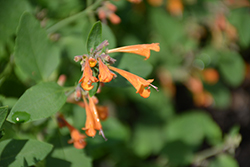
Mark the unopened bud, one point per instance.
(101, 14)
(61, 80)
(103, 44)
(78, 94)
(114, 18)
(77, 58)
(108, 59)
(110, 6)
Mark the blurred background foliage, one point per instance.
(199, 117)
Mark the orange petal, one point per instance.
(210, 75)
(89, 124)
(175, 7)
(77, 139)
(143, 49)
(97, 123)
(102, 112)
(80, 144)
(92, 62)
(114, 19)
(138, 82)
(87, 77)
(105, 75)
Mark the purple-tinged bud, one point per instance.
(77, 58)
(103, 44)
(108, 59)
(78, 93)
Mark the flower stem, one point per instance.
(68, 20)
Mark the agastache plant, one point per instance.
(97, 69)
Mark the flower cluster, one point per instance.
(97, 67)
(98, 64)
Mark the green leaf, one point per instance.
(93, 91)
(39, 101)
(224, 160)
(232, 68)
(142, 141)
(192, 127)
(169, 28)
(108, 35)
(238, 19)
(23, 152)
(66, 155)
(94, 38)
(10, 14)
(178, 153)
(34, 53)
(3, 114)
(221, 95)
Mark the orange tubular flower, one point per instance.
(97, 123)
(105, 75)
(87, 78)
(139, 83)
(143, 49)
(89, 125)
(76, 137)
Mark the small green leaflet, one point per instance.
(95, 36)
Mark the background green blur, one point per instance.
(199, 117)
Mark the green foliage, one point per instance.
(39, 101)
(9, 19)
(238, 17)
(3, 114)
(232, 68)
(94, 38)
(64, 155)
(32, 44)
(192, 128)
(23, 152)
(224, 160)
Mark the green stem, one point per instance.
(206, 154)
(69, 90)
(70, 19)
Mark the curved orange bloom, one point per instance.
(87, 77)
(97, 123)
(76, 137)
(89, 125)
(143, 49)
(139, 83)
(105, 75)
